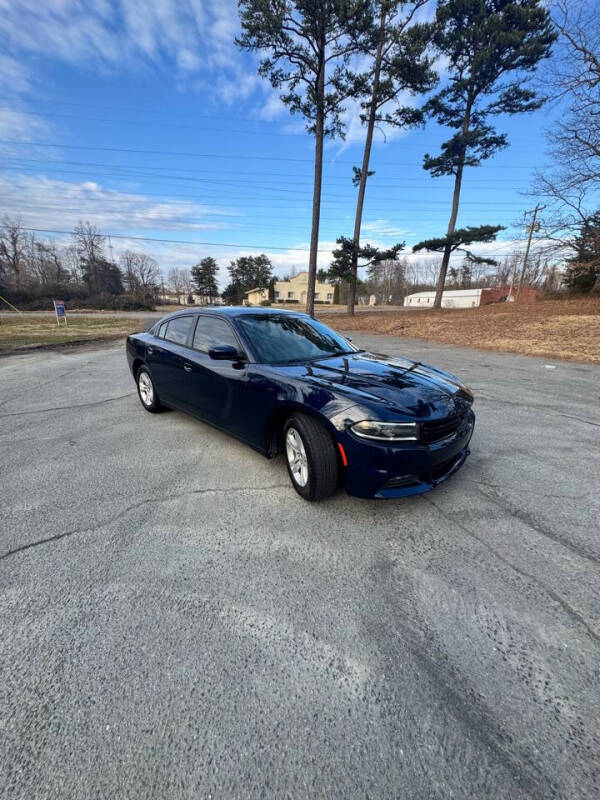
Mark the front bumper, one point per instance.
(382, 470)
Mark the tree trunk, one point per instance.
(316, 211)
(365, 164)
(437, 303)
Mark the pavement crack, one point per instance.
(67, 408)
(147, 501)
(579, 419)
(527, 519)
(533, 492)
(566, 607)
(520, 404)
(28, 389)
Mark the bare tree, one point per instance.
(46, 265)
(141, 274)
(71, 262)
(570, 189)
(388, 280)
(88, 241)
(179, 281)
(576, 77)
(13, 251)
(89, 244)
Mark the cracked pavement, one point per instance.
(178, 623)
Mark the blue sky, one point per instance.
(143, 118)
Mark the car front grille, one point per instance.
(440, 429)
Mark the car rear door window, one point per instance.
(212, 332)
(178, 330)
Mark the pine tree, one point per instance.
(347, 255)
(460, 239)
(400, 65)
(309, 44)
(490, 46)
(247, 272)
(204, 278)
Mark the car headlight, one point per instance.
(386, 431)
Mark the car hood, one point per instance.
(405, 386)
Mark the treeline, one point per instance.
(34, 271)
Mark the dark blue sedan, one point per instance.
(285, 383)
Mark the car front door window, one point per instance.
(213, 332)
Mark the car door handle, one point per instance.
(187, 367)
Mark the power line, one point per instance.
(154, 124)
(303, 177)
(244, 157)
(213, 244)
(136, 109)
(181, 241)
(214, 184)
(178, 126)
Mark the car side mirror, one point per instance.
(224, 352)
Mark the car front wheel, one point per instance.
(311, 457)
(147, 391)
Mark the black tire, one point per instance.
(150, 402)
(321, 457)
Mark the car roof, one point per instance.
(234, 311)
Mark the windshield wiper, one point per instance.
(335, 355)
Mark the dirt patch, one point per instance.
(563, 329)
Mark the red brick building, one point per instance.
(499, 294)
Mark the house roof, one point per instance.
(258, 289)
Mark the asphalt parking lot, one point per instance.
(177, 623)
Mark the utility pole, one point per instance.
(535, 226)
(512, 281)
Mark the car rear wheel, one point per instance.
(311, 457)
(147, 391)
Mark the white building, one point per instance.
(181, 299)
(454, 298)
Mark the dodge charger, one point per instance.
(283, 382)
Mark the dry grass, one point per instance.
(18, 333)
(563, 329)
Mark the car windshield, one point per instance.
(282, 339)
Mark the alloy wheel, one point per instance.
(146, 389)
(296, 456)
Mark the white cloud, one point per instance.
(42, 202)
(385, 229)
(21, 127)
(14, 75)
(195, 37)
(18, 125)
(273, 107)
(383, 133)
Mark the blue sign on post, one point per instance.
(61, 311)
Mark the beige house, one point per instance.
(255, 296)
(292, 291)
